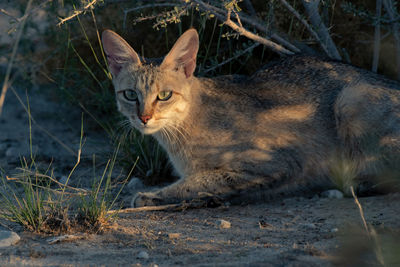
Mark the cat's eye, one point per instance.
(164, 95)
(130, 95)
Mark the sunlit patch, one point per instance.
(288, 113)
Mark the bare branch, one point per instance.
(305, 23)
(221, 15)
(242, 31)
(77, 12)
(232, 58)
(285, 43)
(389, 7)
(126, 11)
(146, 208)
(311, 7)
(377, 36)
(370, 231)
(6, 84)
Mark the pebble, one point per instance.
(223, 224)
(334, 230)
(334, 193)
(310, 225)
(8, 238)
(135, 183)
(143, 255)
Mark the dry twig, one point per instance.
(370, 231)
(77, 12)
(146, 208)
(305, 23)
(222, 15)
(13, 54)
(126, 11)
(389, 7)
(242, 31)
(311, 7)
(250, 48)
(377, 37)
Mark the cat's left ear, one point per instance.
(118, 52)
(183, 54)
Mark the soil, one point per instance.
(295, 231)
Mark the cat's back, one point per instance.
(294, 80)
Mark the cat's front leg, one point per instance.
(221, 184)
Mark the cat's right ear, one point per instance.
(118, 52)
(183, 54)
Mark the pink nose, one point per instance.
(145, 118)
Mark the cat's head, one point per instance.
(152, 97)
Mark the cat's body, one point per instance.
(272, 133)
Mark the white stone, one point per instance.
(143, 255)
(334, 230)
(223, 224)
(334, 193)
(8, 238)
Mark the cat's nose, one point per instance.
(145, 118)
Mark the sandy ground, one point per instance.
(296, 232)
(289, 232)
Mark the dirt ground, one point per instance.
(288, 232)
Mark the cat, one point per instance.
(274, 133)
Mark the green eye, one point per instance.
(130, 95)
(164, 95)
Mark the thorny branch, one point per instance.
(78, 12)
(221, 15)
(242, 31)
(144, 7)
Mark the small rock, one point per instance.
(143, 255)
(135, 183)
(310, 225)
(174, 235)
(334, 193)
(334, 230)
(8, 238)
(223, 224)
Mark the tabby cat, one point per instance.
(240, 137)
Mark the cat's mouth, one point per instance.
(145, 129)
(148, 128)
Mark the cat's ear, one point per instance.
(183, 54)
(118, 52)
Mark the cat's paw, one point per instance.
(146, 199)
